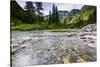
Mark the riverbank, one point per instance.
(30, 27)
(54, 30)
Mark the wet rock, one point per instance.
(72, 35)
(80, 60)
(85, 40)
(74, 49)
(25, 41)
(84, 57)
(82, 37)
(73, 58)
(89, 28)
(13, 50)
(84, 30)
(92, 45)
(65, 60)
(92, 41)
(90, 38)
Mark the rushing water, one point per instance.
(45, 47)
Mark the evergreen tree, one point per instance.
(38, 11)
(50, 18)
(18, 14)
(53, 13)
(31, 11)
(55, 16)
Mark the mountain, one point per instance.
(73, 12)
(61, 14)
(80, 18)
(88, 13)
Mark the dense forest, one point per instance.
(32, 17)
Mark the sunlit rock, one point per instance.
(80, 60)
(65, 60)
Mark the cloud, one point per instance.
(21, 3)
(48, 6)
(61, 6)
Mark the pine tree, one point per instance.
(50, 18)
(55, 16)
(31, 11)
(53, 13)
(38, 11)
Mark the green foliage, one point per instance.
(27, 27)
(53, 17)
(50, 18)
(32, 18)
(16, 12)
(16, 22)
(86, 16)
(39, 13)
(30, 11)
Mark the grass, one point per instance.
(26, 27)
(43, 26)
(52, 28)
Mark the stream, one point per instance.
(29, 48)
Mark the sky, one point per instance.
(48, 6)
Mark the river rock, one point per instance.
(65, 60)
(89, 28)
